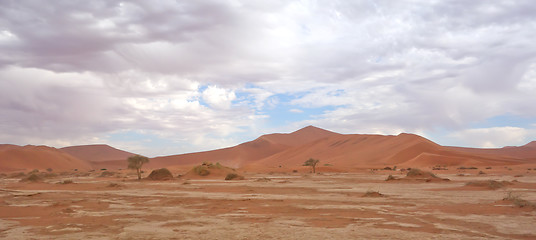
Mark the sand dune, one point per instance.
(286, 151)
(245, 153)
(97, 153)
(15, 158)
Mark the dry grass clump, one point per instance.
(68, 181)
(107, 174)
(391, 178)
(518, 201)
(234, 176)
(371, 193)
(32, 178)
(160, 174)
(489, 184)
(17, 175)
(201, 170)
(415, 172)
(462, 167)
(263, 179)
(114, 185)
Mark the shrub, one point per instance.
(32, 178)
(160, 174)
(234, 176)
(462, 167)
(201, 170)
(49, 170)
(414, 172)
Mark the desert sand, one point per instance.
(86, 191)
(359, 205)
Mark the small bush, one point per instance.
(488, 167)
(294, 171)
(201, 170)
(160, 174)
(481, 173)
(234, 176)
(49, 170)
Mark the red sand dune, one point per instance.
(245, 153)
(97, 153)
(341, 152)
(17, 158)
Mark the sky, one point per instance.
(169, 77)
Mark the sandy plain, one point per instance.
(270, 206)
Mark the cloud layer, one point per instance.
(169, 77)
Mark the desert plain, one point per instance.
(358, 205)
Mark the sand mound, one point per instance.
(234, 176)
(415, 174)
(373, 194)
(209, 170)
(160, 174)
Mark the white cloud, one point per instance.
(493, 137)
(377, 67)
(219, 98)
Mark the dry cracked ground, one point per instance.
(269, 206)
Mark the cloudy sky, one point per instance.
(167, 77)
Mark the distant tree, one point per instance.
(135, 162)
(311, 162)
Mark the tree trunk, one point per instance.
(139, 173)
(314, 168)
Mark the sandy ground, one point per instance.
(269, 206)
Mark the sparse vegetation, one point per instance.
(107, 174)
(136, 162)
(415, 172)
(390, 178)
(32, 178)
(518, 201)
(263, 179)
(481, 172)
(490, 184)
(234, 176)
(311, 162)
(488, 167)
(463, 168)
